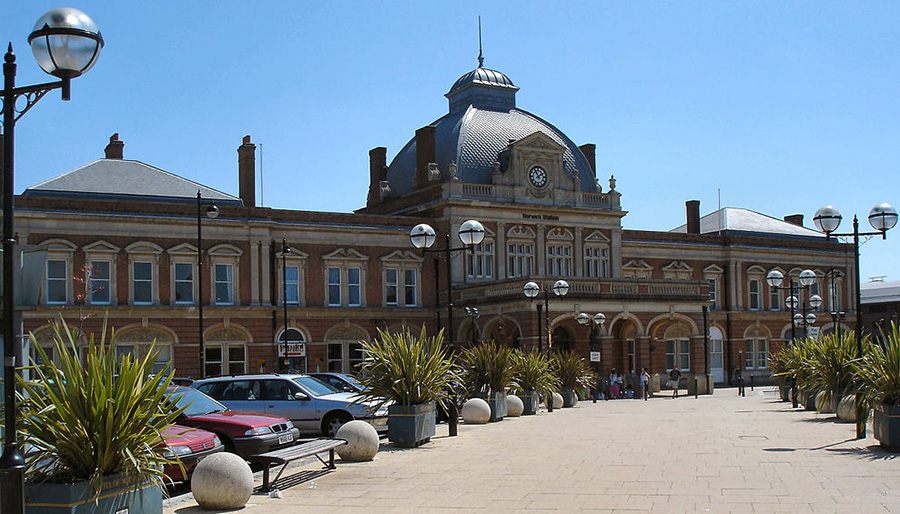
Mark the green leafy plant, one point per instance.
(405, 368)
(87, 418)
(531, 372)
(828, 364)
(572, 371)
(878, 371)
(487, 368)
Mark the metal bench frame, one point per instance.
(287, 455)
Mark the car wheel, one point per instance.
(333, 422)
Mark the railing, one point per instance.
(606, 288)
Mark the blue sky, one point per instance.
(783, 106)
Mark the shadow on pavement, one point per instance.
(300, 477)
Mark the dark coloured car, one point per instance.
(243, 433)
(340, 381)
(190, 445)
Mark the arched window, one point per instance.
(561, 340)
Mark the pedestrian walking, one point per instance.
(645, 383)
(674, 377)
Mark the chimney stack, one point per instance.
(115, 149)
(247, 172)
(425, 155)
(794, 219)
(692, 207)
(377, 173)
(590, 153)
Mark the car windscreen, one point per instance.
(315, 386)
(195, 402)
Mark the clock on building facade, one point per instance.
(538, 176)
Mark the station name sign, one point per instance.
(293, 350)
(547, 217)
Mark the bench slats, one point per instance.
(286, 455)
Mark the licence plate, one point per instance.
(285, 438)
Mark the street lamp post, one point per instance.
(598, 320)
(805, 280)
(422, 237)
(211, 212)
(473, 314)
(882, 218)
(66, 43)
(285, 250)
(531, 290)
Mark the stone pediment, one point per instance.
(597, 237)
(539, 141)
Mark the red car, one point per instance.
(243, 433)
(190, 445)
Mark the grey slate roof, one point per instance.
(880, 292)
(105, 178)
(481, 122)
(734, 219)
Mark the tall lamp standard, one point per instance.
(531, 290)
(882, 218)
(422, 237)
(66, 43)
(285, 250)
(473, 314)
(804, 281)
(211, 212)
(598, 320)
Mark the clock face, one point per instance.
(538, 176)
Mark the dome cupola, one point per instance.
(484, 89)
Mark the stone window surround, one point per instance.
(402, 261)
(101, 251)
(144, 252)
(344, 259)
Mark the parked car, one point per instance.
(243, 433)
(340, 381)
(190, 445)
(314, 406)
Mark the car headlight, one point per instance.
(216, 441)
(176, 450)
(258, 431)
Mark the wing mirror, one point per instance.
(301, 397)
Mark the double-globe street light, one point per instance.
(804, 281)
(882, 218)
(597, 320)
(66, 43)
(531, 290)
(211, 212)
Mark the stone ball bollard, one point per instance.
(514, 406)
(476, 411)
(557, 401)
(222, 481)
(362, 441)
(846, 410)
(823, 405)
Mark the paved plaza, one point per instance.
(720, 453)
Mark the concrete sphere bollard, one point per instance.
(514, 406)
(822, 405)
(846, 410)
(362, 441)
(222, 481)
(557, 401)
(476, 411)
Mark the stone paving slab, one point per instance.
(717, 454)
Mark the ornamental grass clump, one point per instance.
(85, 418)
(487, 368)
(572, 371)
(532, 372)
(405, 368)
(828, 364)
(878, 371)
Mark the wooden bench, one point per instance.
(286, 455)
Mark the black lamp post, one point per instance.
(211, 212)
(65, 43)
(473, 314)
(597, 320)
(805, 280)
(836, 316)
(882, 217)
(285, 250)
(422, 236)
(531, 290)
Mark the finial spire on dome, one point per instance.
(480, 56)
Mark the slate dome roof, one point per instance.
(482, 121)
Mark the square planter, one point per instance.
(531, 402)
(570, 397)
(118, 494)
(497, 403)
(411, 425)
(886, 426)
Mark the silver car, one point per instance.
(313, 406)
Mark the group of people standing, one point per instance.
(617, 384)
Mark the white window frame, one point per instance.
(225, 365)
(753, 295)
(774, 298)
(98, 285)
(55, 280)
(406, 268)
(135, 282)
(183, 254)
(713, 293)
(331, 361)
(678, 353)
(756, 353)
(224, 254)
(559, 260)
(346, 261)
(175, 283)
(596, 261)
(229, 283)
(333, 286)
(480, 260)
(520, 258)
(354, 285)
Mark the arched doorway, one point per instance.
(561, 340)
(503, 331)
(622, 354)
(292, 351)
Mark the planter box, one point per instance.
(531, 401)
(497, 403)
(570, 398)
(411, 425)
(785, 390)
(119, 494)
(886, 426)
